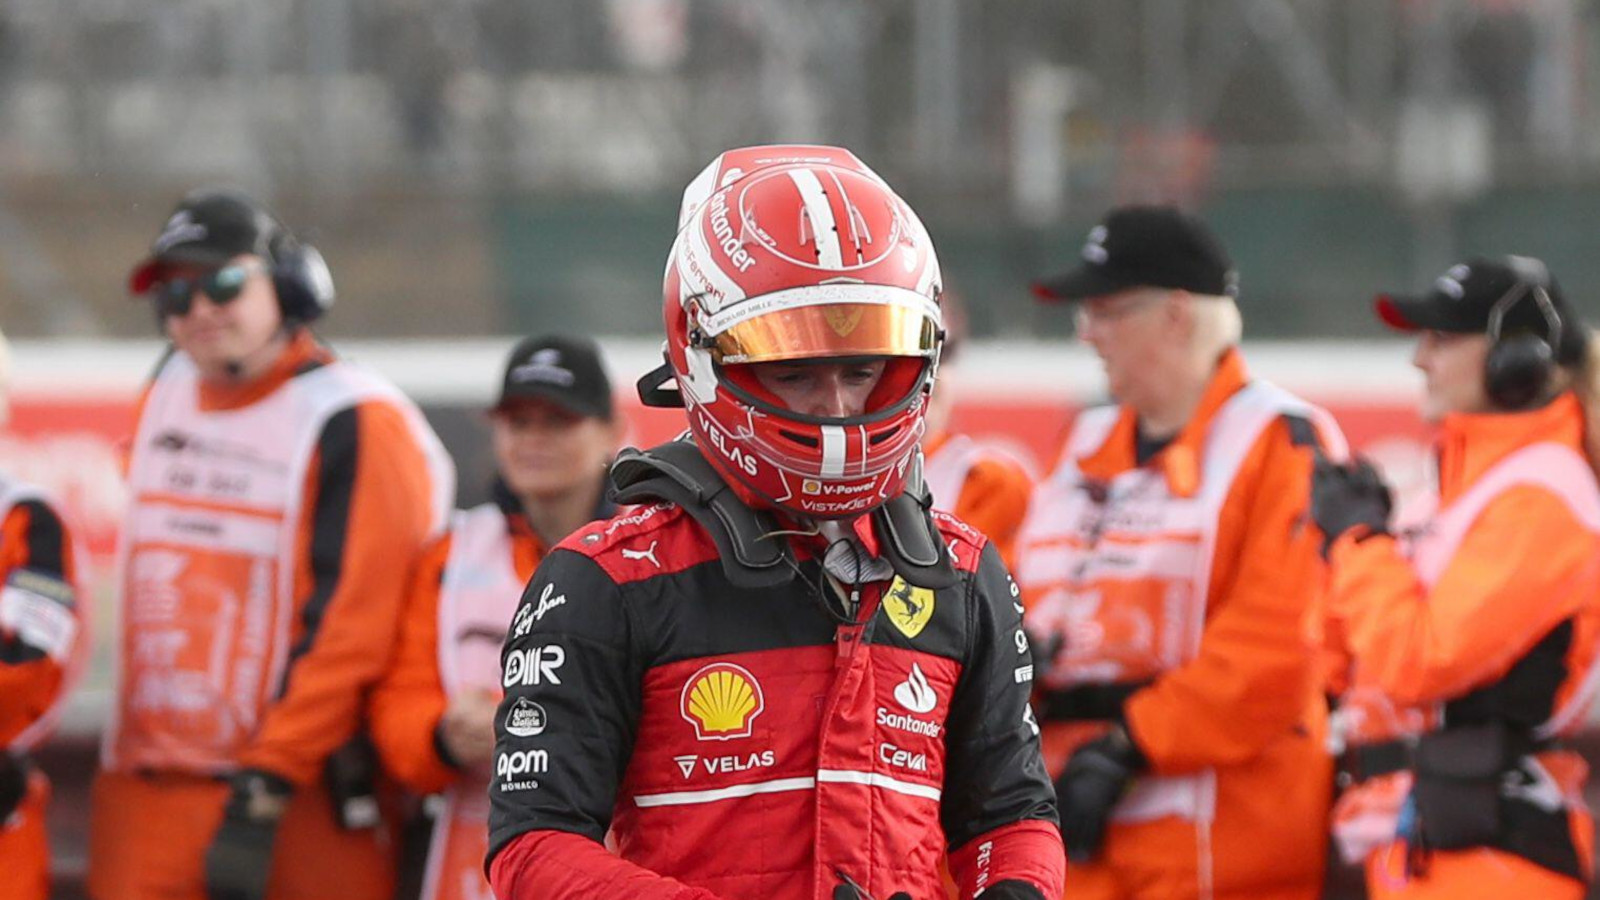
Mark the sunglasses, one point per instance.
(175, 296)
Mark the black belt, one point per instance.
(1088, 702)
(1364, 761)
(148, 773)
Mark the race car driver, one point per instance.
(781, 677)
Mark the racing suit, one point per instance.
(1474, 643)
(43, 646)
(756, 744)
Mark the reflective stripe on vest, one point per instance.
(478, 595)
(207, 558)
(12, 494)
(1123, 572)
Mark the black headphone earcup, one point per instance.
(1518, 369)
(303, 282)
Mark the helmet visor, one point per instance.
(847, 329)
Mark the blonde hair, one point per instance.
(1586, 384)
(1217, 325)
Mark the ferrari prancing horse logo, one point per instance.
(842, 321)
(908, 608)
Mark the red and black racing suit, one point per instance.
(743, 744)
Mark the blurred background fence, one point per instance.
(486, 166)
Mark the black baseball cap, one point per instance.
(1463, 300)
(564, 370)
(208, 228)
(1146, 246)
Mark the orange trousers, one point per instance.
(1162, 860)
(25, 846)
(1107, 883)
(148, 836)
(1477, 874)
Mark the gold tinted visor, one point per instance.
(834, 329)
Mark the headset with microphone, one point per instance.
(300, 275)
(1521, 364)
(300, 279)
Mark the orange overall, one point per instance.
(1186, 587)
(42, 649)
(462, 596)
(1500, 588)
(990, 488)
(269, 535)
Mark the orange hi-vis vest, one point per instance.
(207, 560)
(1368, 813)
(478, 595)
(61, 632)
(1120, 572)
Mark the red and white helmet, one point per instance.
(801, 253)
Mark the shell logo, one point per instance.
(721, 701)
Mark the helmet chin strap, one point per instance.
(678, 472)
